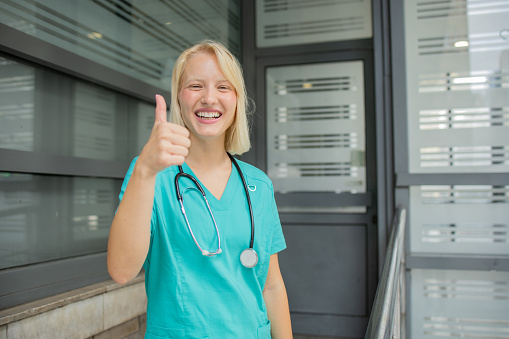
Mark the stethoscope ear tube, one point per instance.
(251, 243)
(181, 173)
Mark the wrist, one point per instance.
(143, 172)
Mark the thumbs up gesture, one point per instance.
(168, 144)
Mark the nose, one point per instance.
(209, 97)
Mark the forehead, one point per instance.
(203, 64)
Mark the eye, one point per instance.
(194, 86)
(224, 88)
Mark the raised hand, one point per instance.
(168, 144)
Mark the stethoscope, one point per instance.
(248, 257)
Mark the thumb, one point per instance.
(160, 109)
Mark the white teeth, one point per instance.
(208, 115)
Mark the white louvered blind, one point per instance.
(282, 22)
(315, 127)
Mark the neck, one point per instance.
(206, 155)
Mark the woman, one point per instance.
(197, 287)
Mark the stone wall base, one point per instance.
(132, 329)
(104, 310)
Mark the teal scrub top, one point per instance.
(194, 296)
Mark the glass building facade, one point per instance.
(360, 106)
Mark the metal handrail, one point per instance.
(385, 319)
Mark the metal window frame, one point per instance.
(403, 179)
(39, 163)
(310, 321)
(379, 50)
(320, 199)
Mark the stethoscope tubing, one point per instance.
(204, 252)
(251, 243)
(199, 187)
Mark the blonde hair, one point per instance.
(237, 136)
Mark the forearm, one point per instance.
(276, 301)
(278, 312)
(129, 237)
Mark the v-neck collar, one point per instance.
(228, 193)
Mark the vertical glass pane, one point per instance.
(315, 127)
(282, 22)
(141, 122)
(458, 304)
(51, 217)
(94, 123)
(17, 96)
(458, 86)
(47, 112)
(139, 38)
(460, 219)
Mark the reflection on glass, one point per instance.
(139, 38)
(51, 217)
(141, 122)
(94, 123)
(17, 96)
(42, 111)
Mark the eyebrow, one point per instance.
(184, 81)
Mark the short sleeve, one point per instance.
(278, 239)
(126, 179)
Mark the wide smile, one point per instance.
(208, 114)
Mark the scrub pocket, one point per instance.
(264, 331)
(157, 332)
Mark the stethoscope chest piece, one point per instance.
(249, 258)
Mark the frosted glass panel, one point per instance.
(94, 122)
(17, 95)
(468, 219)
(51, 217)
(459, 304)
(457, 58)
(46, 112)
(139, 38)
(282, 22)
(142, 123)
(315, 127)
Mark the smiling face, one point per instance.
(207, 99)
